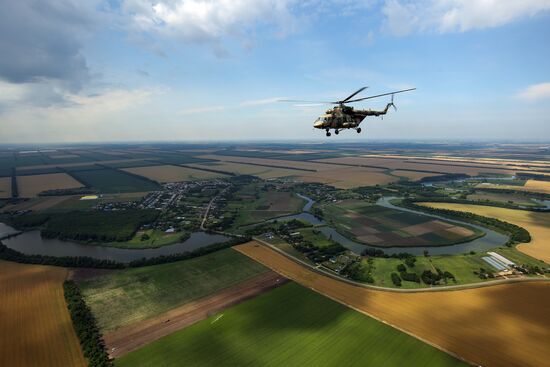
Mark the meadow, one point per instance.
(128, 296)
(501, 325)
(384, 227)
(35, 326)
(114, 181)
(289, 326)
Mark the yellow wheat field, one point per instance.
(32, 185)
(504, 325)
(538, 225)
(35, 326)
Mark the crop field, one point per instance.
(411, 175)
(251, 205)
(29, 186)
(429, 166)
(289, 326)
(124, 297)
(530, 186)
(518, 199)
(169, 173)
(348, 177)
(247, 169)
(39, 203)
(35, 326)
(536, 223)
(384, 227)
(503, 325)
(5, 187)
(113, 181)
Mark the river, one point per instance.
(491, 239)
(31, 243)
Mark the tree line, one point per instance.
(85, 325)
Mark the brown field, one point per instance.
(530, 186)
(504, 325)
(348, 177)
(5, 187)
(134, 336)
(538, 225)
(411, 175)
(248, 169)
(403, 163)
(78, 164)
(35, 326)
(32, 185)
(167, 173)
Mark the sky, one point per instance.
(207, 70)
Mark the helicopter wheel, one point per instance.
(328, 133)
(336, 132)
(358, 130)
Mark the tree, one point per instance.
(396, 279)
(410, 261)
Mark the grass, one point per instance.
(156, 238)
(36, 328)
(123, 297)
(289, 326)
(113, 181)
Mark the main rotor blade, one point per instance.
(380, 95)
(301, 101)
(360, 90)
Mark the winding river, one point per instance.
(32, 243)
(491, 239)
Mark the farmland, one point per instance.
(537, 224)
(247, 169)
(32, 185)
(542, 187)
(128, 296)
(5, 187)
(486, 326)
(290, 326)
(384, 227)
(169, 173)
(35, 326)
(113, 181)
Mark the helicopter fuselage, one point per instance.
(345, 117)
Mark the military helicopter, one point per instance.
(344, 117)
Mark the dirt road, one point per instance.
(503, 325)
(132, 337)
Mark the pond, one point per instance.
(32, 243)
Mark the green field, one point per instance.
(289, 326)
(113, 181)
(155, 238)
(123, 297)
(384, 227)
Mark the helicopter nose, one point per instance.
(318, 123)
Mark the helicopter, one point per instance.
(344, 117)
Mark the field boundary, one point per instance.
(446, 288)
(134, 336)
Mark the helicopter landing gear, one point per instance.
(328, 133)
(336, 132)
(358, 130)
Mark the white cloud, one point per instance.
(535, 92)
(243, 104)
(208, 20)
(405, 16)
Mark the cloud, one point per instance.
(404, 16)
(240, 105)
(535, 92)
(207, 21)
(86, 117)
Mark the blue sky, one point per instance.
(170, 70)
